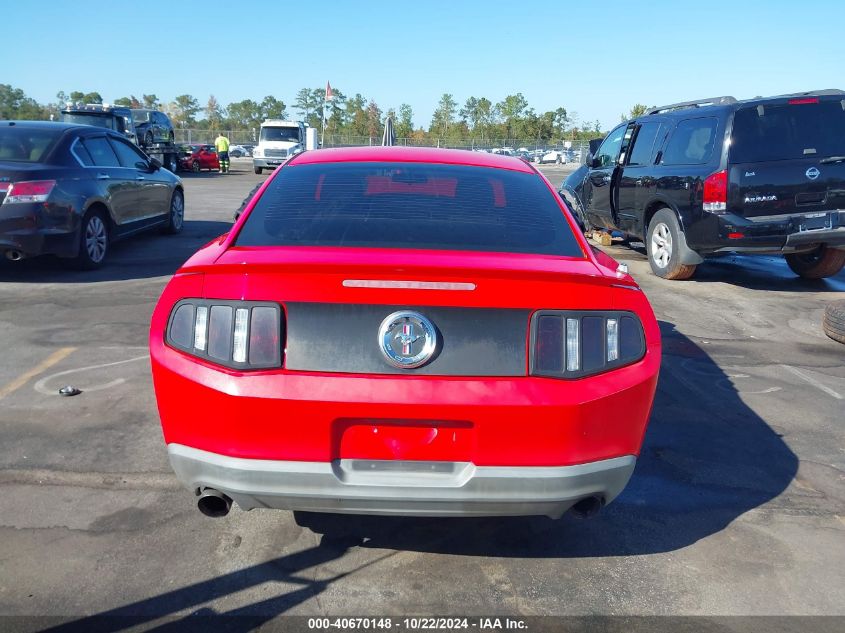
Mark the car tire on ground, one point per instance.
(172, 163)
(833, 322)
(176, 215)
(662, 244)
(258, 170)
(93, 240)
(820, 263)
(148, 138)
(195, 167)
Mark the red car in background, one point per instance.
(409, 332)
(198, 157)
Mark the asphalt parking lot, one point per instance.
(737, 505)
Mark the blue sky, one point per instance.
(595, 59)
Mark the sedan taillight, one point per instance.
(29, 191)
(566, 344)
(236, 334)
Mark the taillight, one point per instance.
(236, 334)
(29, 191)
(803, 101)
(716, 192)
(576, 344)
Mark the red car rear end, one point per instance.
(396, 331)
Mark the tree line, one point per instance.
(479, 118)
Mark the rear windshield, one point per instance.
(788, 132)
(141, 116)
(409, 205)
(97, 120)
(26, 145)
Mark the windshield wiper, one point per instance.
(832, 159)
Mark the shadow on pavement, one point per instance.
(138, 257)
(707, 459)
(287, 569)
(755, 272)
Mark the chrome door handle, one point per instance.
(103, 176)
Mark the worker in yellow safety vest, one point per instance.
(221, 144)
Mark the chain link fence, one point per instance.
(570, 151)
(236, 137)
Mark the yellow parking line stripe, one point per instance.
(56, 357)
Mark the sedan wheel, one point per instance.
(195, 167)
(94, 242)
(176, 220)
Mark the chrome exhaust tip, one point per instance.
(213, 503)
(587, 507)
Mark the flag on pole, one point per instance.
(329, 95)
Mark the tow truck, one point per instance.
(119, 118)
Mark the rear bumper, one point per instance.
(410, 488)
(780, 234)
(21, 230)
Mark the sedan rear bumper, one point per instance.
(401, 487)
(22, 230)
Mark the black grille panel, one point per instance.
(344, 338)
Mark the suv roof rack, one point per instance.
(697, 103)
(808, 93)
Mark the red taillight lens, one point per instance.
(29, 191)
(548, 346)
(716, 192)
(578, 344)
(237, 334)
(263, 336)
(803, 101)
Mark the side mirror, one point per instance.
(593, 162)
(155, 164)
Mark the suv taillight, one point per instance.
(237, 334)
(567, 344)
(29, 191)
(716, 192)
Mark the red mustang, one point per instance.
(404, 331)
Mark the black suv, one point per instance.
(765, 175)
(152, 126)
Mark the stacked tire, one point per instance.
(833, 322)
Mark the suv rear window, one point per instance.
(409, 205)
(787, 132)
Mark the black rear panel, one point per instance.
(344, 338)
(777, 158)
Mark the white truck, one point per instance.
(279, 140)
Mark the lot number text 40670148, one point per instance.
(417, 624)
